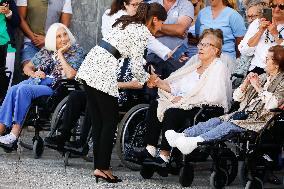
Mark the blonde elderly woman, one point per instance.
(60, 58)
(257, 95)
(205, 82)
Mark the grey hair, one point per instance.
(261, 4)
(50, 37)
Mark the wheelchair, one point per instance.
(40, 112)
(131, 132)
(131, 97)
(250, 161)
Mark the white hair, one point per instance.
(50, 38)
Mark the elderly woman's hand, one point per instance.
(151, 83)
(38, 74)
(176, 99)
(64, 49)
(272, 28)
(255, 82)
(263, 24)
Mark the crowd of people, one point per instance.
(137, 51)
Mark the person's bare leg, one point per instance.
(2, 129)
(16, 129)
(103, 173)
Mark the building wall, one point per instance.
(86, 21)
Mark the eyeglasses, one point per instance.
(253, 16)
(280, 6)
(135, 5)
(201, 45)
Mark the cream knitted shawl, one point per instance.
(214, 88)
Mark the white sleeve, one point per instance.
(105, 24)
(158, 48)
(22, 3)
(238, 94)
(67, 7)
(243, 46)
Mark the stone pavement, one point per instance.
(49, 172)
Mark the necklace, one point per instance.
(267, 37)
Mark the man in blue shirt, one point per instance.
(172, 33)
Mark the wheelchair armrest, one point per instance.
(279, 110)
(207, 108)
(69, 84)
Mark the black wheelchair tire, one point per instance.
(186, 175)
(243, 173)
(233, 171)
(38, 148)
(56, 116)
(219, 179)
(66, 158)
(147, 171)
(122, 127)
(256, 183)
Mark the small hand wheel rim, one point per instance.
(256, 183)
(66, 158)
(38, 148)
(147, 171)
(219, 179)
(186, 175)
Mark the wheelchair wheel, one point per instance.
(38, 148)
(229, 162)
(147, 171)
(243, 173)
(219, 179)
(256, 183)
(57, 116)
(66, 158)
(186, 175)
(130, 136)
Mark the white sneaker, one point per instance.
(8, 139)
(187, 144)
(172, 136)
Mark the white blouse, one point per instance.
(98, 69)
(261, 49)
(153, 44)
(183, 86)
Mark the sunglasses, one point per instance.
(280, 6)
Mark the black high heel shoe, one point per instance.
(115, 179)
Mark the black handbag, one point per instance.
(242, 115)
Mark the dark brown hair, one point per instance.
(144, 13)
(117, 5)
(218, 34)
(278, 56)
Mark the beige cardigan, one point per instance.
(214, 88)
(260, 114)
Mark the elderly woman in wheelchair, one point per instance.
(257, 95)
(205, 82)
(59, 59)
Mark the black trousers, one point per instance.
(76, 104)
(103, 110)
(4, 80)
(174, 119)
